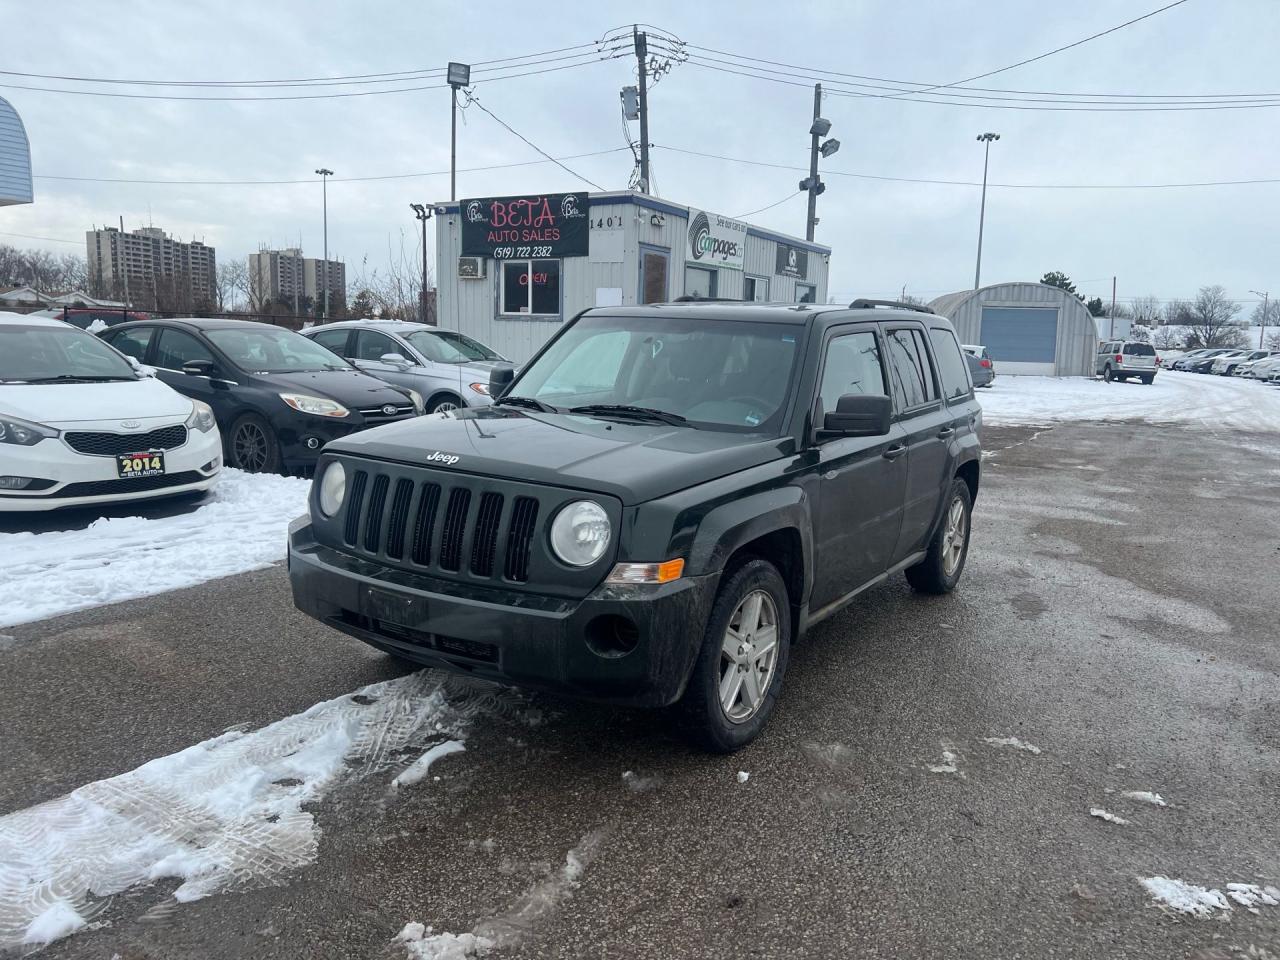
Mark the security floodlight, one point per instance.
(988, 136)
(829, 147)
(458, 75)
(418, 209)
(806, 183)
(821, 127)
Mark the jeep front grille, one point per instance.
(443, 527)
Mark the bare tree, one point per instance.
(1272, 316)
(42, 270)
(1146, 311)
(1141, 334)
(1213, 322)
(1273, 341)
(232, 286)
(1178, 313)
(395, 290)
(1166, 338)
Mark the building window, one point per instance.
(530, 287)
(806, 293)
(700, 282)
(755, 289)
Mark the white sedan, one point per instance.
(81, 425)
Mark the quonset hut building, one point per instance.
(15, 158)
(1028, 328)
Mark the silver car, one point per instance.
(446, 368)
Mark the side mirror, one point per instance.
(500, 378)
(395, 359)
(199, 368)
(859, 415)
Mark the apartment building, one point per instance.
(290, 279)
(152, 270)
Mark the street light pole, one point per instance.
(423, 213)
(325, 173)
(982, 212)
(1266, 298)
(458, 75)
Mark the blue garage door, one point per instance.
(1020, 334)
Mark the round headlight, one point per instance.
(580, 533)
(333, 487)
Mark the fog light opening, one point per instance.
(612, 636)
(313, 443)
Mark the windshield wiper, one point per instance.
(531, 402)
(77, 378)
(636, 413)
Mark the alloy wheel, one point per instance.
(250, 447)
(953, 538)
(748, 656)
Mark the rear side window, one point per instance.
(335, 340)
(178, 348)
(132, 343)
(1139, 350)
(373, 346)
(911, 370)
(952, 368)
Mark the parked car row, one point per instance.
(1250, 364)
(153, 408)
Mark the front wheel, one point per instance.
(738, 675)
(940, 570)
(254, 447)
(1107, 375)
(443, 404)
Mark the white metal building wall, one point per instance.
(1077, 340)
(15, 158)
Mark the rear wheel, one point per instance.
(940, 570)
(738, 675)
(1107, 374)
(1148, 378)
(253, 445)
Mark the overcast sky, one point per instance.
(884, 235)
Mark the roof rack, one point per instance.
(864, 304)
(694, 298)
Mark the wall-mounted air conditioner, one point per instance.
(471, 268)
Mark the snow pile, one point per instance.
(224, 814)
(1220, 402)
(1144, 796)
(509, 928)
(743, 776)
(1251, 896)
(1109, 817)
(1013, 742)
(1187, 898)
(418, 769)
(241, 527)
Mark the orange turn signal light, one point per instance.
(647, 572)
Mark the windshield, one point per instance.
(445, 346)
(273, 350)
(719, 374)
(29, 354)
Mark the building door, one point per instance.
(654, 269)
(1021, 339)
(755, 289)
(700, 282)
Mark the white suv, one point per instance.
(1122, 359)
(82, 425)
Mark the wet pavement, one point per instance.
(1118, 615)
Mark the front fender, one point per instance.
(731, 525)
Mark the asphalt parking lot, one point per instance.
(1118, 615)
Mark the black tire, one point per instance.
(445, 401)
(706, 720)
(931, 574)
(252, 445)
(1148, 380)
(1107, 374)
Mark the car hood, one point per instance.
(63, 403)
(351, 388)
(633, 462)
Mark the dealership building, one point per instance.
(1028, 328)
(511, 270)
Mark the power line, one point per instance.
(973, 183)
(473, 99)
(1050, 53)
(311, 181)
(778, 203)
(25, 236)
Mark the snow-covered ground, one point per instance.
(242, 526)
(1226, 403)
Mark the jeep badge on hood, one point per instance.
(435, 456)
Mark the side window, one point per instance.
(178, 348)
(335, 340)
(912, 369)
(132, 343)
(372, 346)
(852, 365)
(952, 368)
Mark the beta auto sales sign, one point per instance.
(716, 241)
(522, 228)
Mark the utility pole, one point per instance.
(642, 57)
(325, 173)
(457, 76)
(812, 220)
(982, 212)
(122, 261)
(423, 213)
(1112, 335)
(1266, 298)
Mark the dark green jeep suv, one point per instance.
(660, 503)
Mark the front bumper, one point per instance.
(303, 436)
(534, 640)
(71, 479)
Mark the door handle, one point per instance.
(946, 433)
(894, 452)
